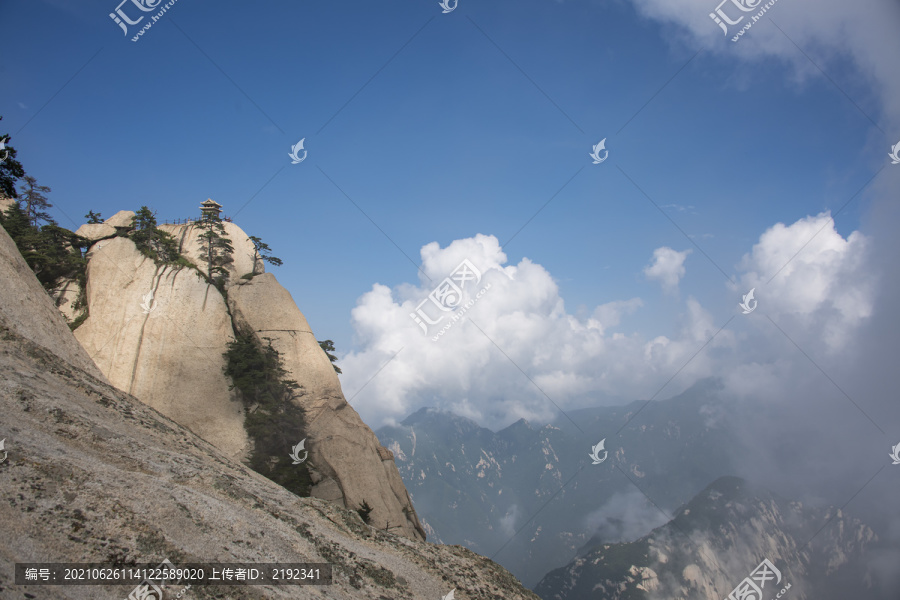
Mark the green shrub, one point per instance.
(274, 422)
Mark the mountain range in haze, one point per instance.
(531, 498)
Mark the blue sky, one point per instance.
(427, 127)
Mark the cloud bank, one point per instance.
(518, 353)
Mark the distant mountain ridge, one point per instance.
(715, 541)
(476, 487)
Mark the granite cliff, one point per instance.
(159, 331)
(95, 475)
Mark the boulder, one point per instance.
(121, 219)
(96, 231)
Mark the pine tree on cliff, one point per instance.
(10, 169)
(32, 196)
(149, 239)
(328, 347)
(261, 251)
(216, 247)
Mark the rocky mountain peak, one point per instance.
(160, 330)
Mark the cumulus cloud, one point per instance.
(810, 277)
(516, 352)
(667, 267)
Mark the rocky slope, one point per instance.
(29, 310)
(159, 333)
(95, 475)
(715, 542)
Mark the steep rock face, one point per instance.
(31, 313)
(159, 333)
(346, 461)
(95, 475)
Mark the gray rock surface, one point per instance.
(95, 475)
(30, 311)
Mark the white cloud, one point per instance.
(667, 268)
(520, 325)
(624, 518)
(808, 277)
(828, 31)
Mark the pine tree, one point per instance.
(262, 251)
(10, 169)
(51, 251)
(149, 239)
(364, 511)
(35, 202)
(93, 218)
(328, 347)
(216, 247)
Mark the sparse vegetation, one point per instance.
(33, 200)
(261, 251)
(364, 511)
(10, 170)
(274, 422)
(54, 253)
(150, 240)
(328, 347)
(216, 247)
